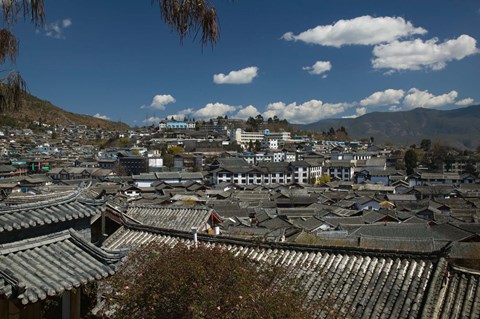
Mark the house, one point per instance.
(364, 282)
(55, 234)
(339, 169)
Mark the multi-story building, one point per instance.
(238, 171)
(177, 125)
(241, 136)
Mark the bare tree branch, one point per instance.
(188, 17)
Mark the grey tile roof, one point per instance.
(456, 295)
(50, 211)
(34, 269)
(175, 218)
(360, 283)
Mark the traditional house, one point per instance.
(45, 254)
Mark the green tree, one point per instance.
(174, 150)
(158, 281)
(410, 159)
(425, 144)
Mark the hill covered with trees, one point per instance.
(35, 109)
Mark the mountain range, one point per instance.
(35, 109)
(459, 127)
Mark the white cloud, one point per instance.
(242, 76)
(180, 115)
(359, 111)
(417, 54)
(213, 110)
(319, 67)
(103, 117)
(152, 119)
(465, 102)
(364, 30)
(307, 112)
(159, 101)
(56, 29)
(416, 98)
(66, 23)
(246, 112)
(387, 97)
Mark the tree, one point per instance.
(186, 17)
(12, 85)
(425, 144)
(323, 180)
(158, 281)
(189, 17)
(410, 159)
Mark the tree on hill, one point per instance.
(158, 281)
(410, 161)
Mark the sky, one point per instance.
(301, 60)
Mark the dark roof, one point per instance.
(176, 218)
(49, 211)
(363, 283)
(34, 269)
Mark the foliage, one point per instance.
(410, 160)
(12, 85)
(425, 144)
(174, 150)
(189, 17)
(158, 281)
(323, 180)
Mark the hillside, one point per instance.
(35, 109)
(459, 127)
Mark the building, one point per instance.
(133, 164)
(242, 137)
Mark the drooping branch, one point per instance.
(189, 17)
(30, 9)
(8, 46)
(11, 91)
(13, 85)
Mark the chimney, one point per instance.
(195, 233)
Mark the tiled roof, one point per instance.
(359, 283)
(176, 218)
(456, 295)
(34, 269)
(51, 211)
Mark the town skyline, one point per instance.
(300, 61)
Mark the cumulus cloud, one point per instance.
(103, 117)
(319, 67)
(159, 101)
(387, 97)
(417, 54)
(307, 112)
(212, 110)
(246, 112)
(243, 76)
(364, 30)
(56, 29)
(417, 98)
(359, 111)
(465, 102)
(152, 119)
(180, 115)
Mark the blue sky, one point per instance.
(300, 60)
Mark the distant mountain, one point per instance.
(459, 127)
(35, 109)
